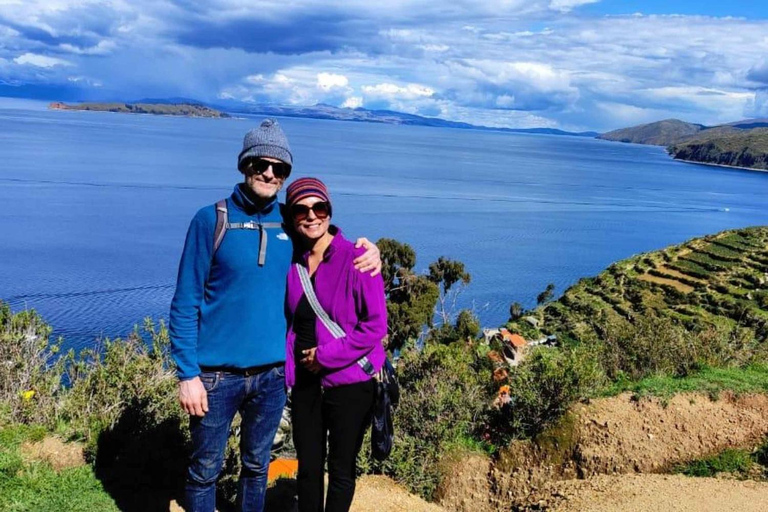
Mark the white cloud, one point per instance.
(568, 5)
(352, 102)
(389, 90)
(328, 81)
(83, 80)
(104, 47)
(40, 61)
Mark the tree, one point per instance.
(515, 311)
(445, 273)
(467, 327)
(546, 295)
(411, 298)
(396, 259)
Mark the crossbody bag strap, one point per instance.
(334, 328)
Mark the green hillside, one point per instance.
(718, 282)
(725, 146)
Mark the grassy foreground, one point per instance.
(32, 486)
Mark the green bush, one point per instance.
(541, 390)
(131, 374)
(29, 384)
(446, 393)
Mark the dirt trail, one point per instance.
(663, 493)
(381, 494)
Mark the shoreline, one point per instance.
(758, 169)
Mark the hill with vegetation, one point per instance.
(728, 146)
(710, 291)
(738, 144)
(660, 133)
(160, 109)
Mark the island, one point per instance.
(175, 109)
(741, 144)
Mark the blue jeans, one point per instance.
(260, 399)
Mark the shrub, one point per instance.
(542, 388)
(446, 393)
(123, 403)
(122, 374)
(29, 385)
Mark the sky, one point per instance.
(568, 64)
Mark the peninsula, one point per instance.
(741, 144)
(176, 109)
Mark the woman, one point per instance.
(329, 369)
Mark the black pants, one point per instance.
(339, 415)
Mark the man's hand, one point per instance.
(310, 361)
(370, 261)
(193, 397)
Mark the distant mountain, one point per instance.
(660, 133)
(726, 145)
(741, 143)
(322, 111)
(163, 109)
(748, 124)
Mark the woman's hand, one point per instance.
(310, 360)
(370, 261)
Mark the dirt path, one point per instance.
(663, 493)
(381, 494)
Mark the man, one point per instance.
(227, 322)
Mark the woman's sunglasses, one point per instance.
(322, 210)
(260, 166)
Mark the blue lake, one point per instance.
(94, 206)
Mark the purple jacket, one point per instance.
(352, 299)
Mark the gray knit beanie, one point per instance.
(266, 140)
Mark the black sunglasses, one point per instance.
(259, 166)
(322, 210)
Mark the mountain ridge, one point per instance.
(741, 143)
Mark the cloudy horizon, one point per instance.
(567, 64)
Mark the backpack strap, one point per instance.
(221, 224)
(334, 328)
(263, 242)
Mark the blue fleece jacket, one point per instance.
(227, 310)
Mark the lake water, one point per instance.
(94, 206)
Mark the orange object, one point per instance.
(286, 468)
(515, 340)
(500, 375)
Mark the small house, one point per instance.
(513, 347)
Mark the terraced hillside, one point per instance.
(719, 281)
